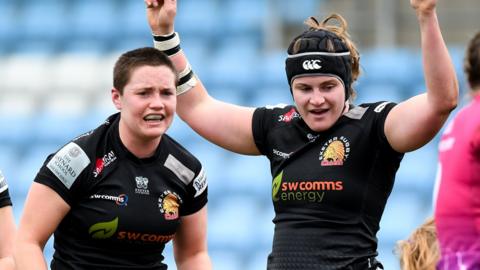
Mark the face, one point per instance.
(148, 102)
(320, 100)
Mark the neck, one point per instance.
(140, 147)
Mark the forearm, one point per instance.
(199, 261)
(29, 256)
(440, 77)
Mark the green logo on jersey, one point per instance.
(103, 230)
(277, 182)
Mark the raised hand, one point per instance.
(161, 15)
(423, 6)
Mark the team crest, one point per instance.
(335, 151)
(169, 203)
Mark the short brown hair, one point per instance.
(133, 59)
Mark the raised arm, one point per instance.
(226, 125)
(43, 211)
(414, 122)
(190, 242)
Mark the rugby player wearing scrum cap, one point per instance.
(333, 164)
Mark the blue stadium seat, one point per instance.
(417, 170)
(94, 20)
(396, 66)
(234, 214)
(132, 19)
(235, 63)
(272, 69)
(198, 18)
(404, 210)
(264, 96)
(43, 20)
(18, 130)
(249, 174)
(243, 17)
(378, 92)
(294, 13)
(8, 25)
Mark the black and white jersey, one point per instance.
(329, 189)
(123, 209)
(4, 195)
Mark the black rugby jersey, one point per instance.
(4, 195)
(123, 209)
(329, 189)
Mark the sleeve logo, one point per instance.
(68, 163)
(200, 183)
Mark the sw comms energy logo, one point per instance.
(303, 190)
(335, 151)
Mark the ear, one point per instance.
(116, 98)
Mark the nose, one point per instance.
(317, 97)
(157, 101)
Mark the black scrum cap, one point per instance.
(319, 52)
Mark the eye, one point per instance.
(167, 92)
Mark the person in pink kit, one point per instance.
(457, 203)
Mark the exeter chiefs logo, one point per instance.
(169, 202)
(335, 151)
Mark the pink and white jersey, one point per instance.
(457, 201)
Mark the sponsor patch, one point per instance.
(289, 116)
(356, 113)
(68, 163)
(181, 171)
(200, 183)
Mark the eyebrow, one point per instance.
(332, 80)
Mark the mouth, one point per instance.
(154, 118)
(318, 112)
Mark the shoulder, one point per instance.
(74, 157)
(181, 162)
(277, 114)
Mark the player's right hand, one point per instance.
(161, 15)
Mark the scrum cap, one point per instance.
(319, 52)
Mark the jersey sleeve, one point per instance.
(263, 122)
(4, 195)
(64, 172)
(380, 111)
(197, 192)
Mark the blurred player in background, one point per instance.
(457, 207)
(420, 251)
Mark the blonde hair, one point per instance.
(339, 29)
(421, 250)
